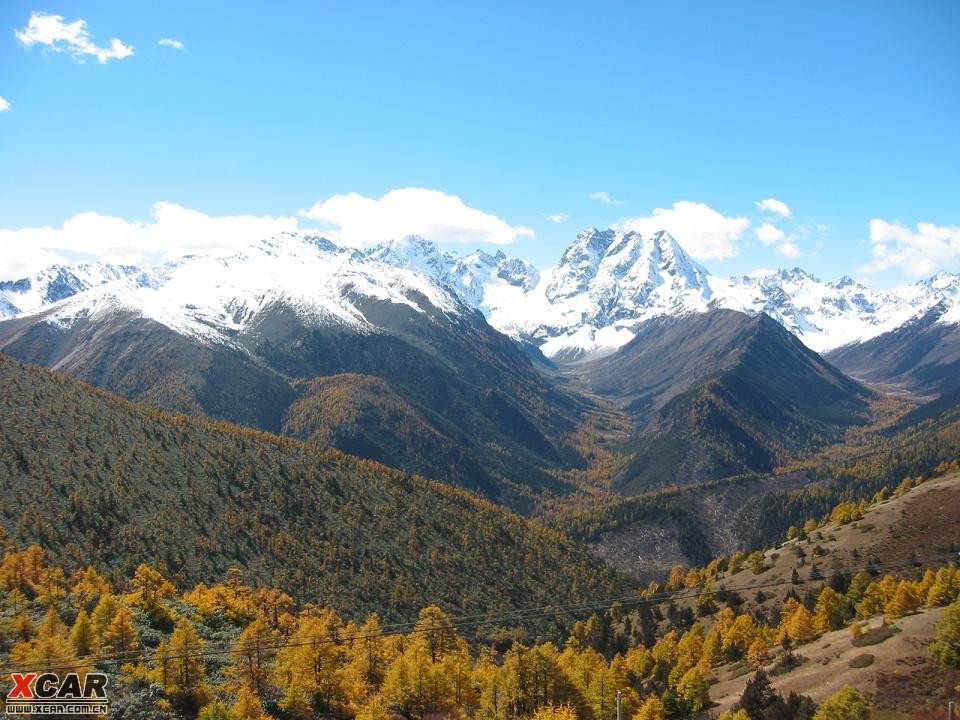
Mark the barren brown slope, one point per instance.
(900, 678)
(918, 527)
(898, 535)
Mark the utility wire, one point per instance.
(463, 622)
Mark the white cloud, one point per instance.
(171, 232)
(788, 249)
(705, 233)
(557, 218)
(72, 38)
(4, 105)
(603, 197)
(783, 243)
(171, 43)
(769, 235)
(922, 252)
(359, 221)
(27, 260)
(775, 206)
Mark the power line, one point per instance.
(463, 622)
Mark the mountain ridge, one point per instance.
(719, 394)
(606, 284)
(922, 356)
(281, 334)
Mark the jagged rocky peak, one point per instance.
(798, 274)
(406, 248)
(517, 272)
(634, 264)
(668, 257)
(415, 253)
(579, 263)
(483, 267)
(55, 283)
(17, 286)
(466, 275)
(944, 281)
(846, 282)
(780, 278)
(323, 244)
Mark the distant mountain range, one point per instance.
(56, 283)
(608, 283)
(922, 356)
(605, 286)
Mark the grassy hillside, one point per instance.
(916, 445)
(905, 533)
(94, 478)
(851, 599)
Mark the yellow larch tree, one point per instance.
(120, 635)
(308, 667)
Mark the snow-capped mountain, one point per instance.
(292, 333)
(827, 315)
(217, 297)
(921, 356)
(470, 276)
(56, 283)
(605, 286)
(608, 283)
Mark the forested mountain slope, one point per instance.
(97, 479)
(477, 413)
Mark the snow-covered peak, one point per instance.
(657, 258)
(607, 283)
(846, 282)
(56, 283)
(944, 282)
(413, 252)
(215, 298)
(826, 315)
(517, 272)
(623, 260)
(468, 276)
(579, 264)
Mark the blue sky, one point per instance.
(847, 113)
